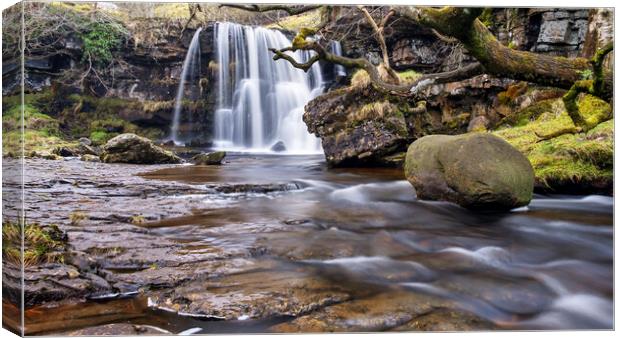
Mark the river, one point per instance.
(268, 243)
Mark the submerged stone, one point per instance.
(477, 171)
(90, 158)
(278, 147)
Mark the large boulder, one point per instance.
(214, 158)
(477, 171)
(131, 148)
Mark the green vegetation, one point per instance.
(76, 217)
(487, 17)
(295, 23)
(82, 116)
(598, 110)
(137, 219)
(508, 96)
(41, 131)
(408, 76)
(99, 136)
(99, 118)
(42, 244)
(171, 10)
(557, 150)
(100, 40)
(360, 78)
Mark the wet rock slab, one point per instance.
(266, 290)
(118, 330)
(379, 312)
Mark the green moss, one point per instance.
(458, 121)
(98, 118)
(41, 244)
(528, 114)
(295, 23)
(557, 152)
(593, 110)
(171, 10)
(487, 17)
(360, 78)
(40, 100)
(100, 137)
(408, 76)
(508, 96)
(41, 131)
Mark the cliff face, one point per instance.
(551, 31)
(139, 86)
(479, 103)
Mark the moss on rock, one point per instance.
(131, 148)
(40, 136)
(565, 159)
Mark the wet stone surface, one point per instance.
(283, 244)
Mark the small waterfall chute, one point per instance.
(260, 101)
(190, 71)
(339, 70)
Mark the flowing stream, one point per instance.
(272, 243)
(260, 102)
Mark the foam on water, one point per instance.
(378, 192)
(490, 255)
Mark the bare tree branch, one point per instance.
(291, 10)
(378, 33)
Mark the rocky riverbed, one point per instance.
(268, 243)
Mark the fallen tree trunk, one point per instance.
(499, 60)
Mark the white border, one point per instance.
(470, 3)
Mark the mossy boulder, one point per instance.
(213, 158)
(477, 171)
(131, 148)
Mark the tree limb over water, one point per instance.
(462, 25)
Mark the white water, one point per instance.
(191, 67)
(261, 101)
(339, 70)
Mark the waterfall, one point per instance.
(339, 70)
(191, 67)
(261, 101)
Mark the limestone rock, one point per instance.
(213, 158)
(131, 148)
(90, 158)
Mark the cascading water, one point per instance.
(191, 69)
(339, 70)
(261, 101)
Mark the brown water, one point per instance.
(311, 249)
